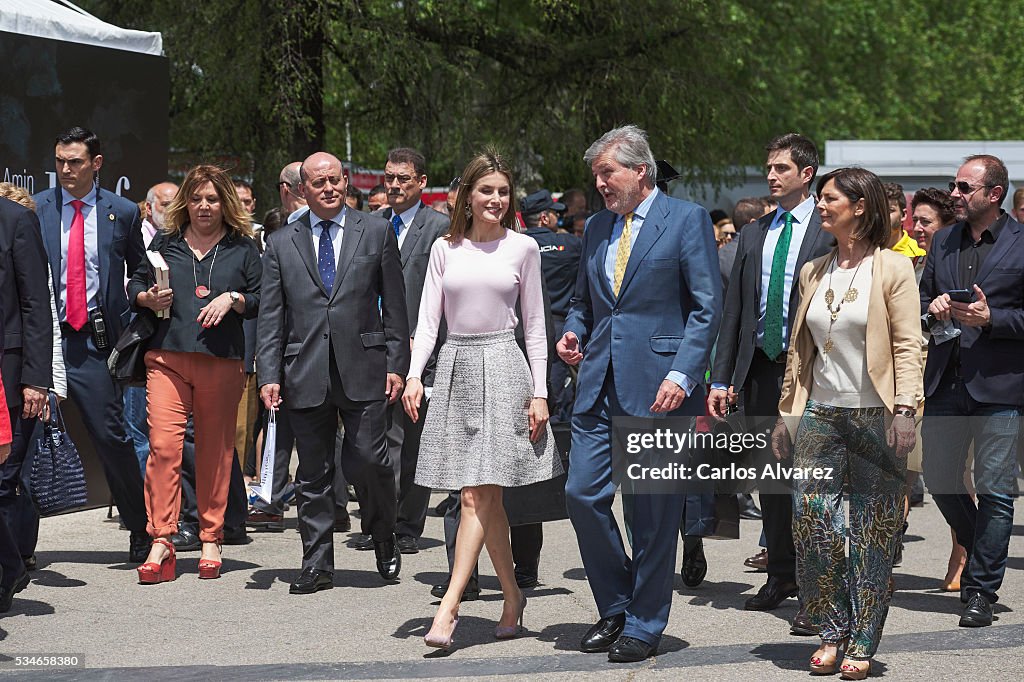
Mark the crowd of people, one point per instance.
(405, 348)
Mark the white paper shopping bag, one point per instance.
(266, 487)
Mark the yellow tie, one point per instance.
(622, 257)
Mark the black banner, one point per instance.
(50, 85)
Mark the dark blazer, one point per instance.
(666, 314)
(119, 240)
(24, 302)
(426, 228)
(991, 360)
(738, 336)
(363, 321)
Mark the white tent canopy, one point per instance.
(64, 21)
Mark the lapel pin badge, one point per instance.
(110, 216)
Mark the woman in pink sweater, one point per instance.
(487, 426)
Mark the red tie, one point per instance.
(75, 304)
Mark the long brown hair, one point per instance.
(236, 218)
(483, 164)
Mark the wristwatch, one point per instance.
(905, 412)
(235, 297)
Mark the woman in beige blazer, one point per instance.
(853, 377)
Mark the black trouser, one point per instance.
(16, 505)
(527, 540)
(364, 459)
(284, 441)
(234, 515)
(761, 399)
(403, 450)
(100, 402)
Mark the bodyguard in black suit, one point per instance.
(974, 383)
(112, 231)
(760, 305)
(27, 333)
(416, 227)
(334, 340)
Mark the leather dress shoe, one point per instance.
(748, 509)
(257, 519)
(802, 624)
(407, 544)
(771, 594)
(471, 593)
(695, 564)
(342, 523)
(312, 580)
(389, 559)
(758, 562)
(235, 536)
(7, 593)
(603, 634)
(630, 650)
(139, 543)
(186, 540)
(978, 613)
(526, 580)
(361, 542)
(30, 562)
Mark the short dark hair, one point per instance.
(273, 220)
(377, 189)
(801, 149)
(746, 210)
(240, 183)
(939, 199)
(83, 135)
(411, 157)
(996, 174)
(894, 192)
(351, 191)
(860, 183)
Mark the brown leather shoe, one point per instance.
(758, 562)
(802, 624)
(261, 520)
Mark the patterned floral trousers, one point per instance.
(847, 596)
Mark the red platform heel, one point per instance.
(208, 568)
(151, 572)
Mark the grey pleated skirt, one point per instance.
(477, 428)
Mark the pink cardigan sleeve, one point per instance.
(431, 308)
(531, 303)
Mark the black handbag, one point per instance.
(127, 363)
(57, 478)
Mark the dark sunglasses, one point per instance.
(965, 188)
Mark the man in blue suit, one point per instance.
(91, 237)
(648, 278)
(974, 383)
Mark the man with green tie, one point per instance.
(751, 355)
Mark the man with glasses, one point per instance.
(974, 383)
(416, 227)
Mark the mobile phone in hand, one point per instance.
(961, 295)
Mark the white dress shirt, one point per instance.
(407, 217)
(337, 233)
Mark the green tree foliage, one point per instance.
(711, 81)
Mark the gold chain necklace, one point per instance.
(830, 297)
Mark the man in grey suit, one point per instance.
(760, 304)
(416, 227)
(334, 340)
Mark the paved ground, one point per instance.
(84, 600)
